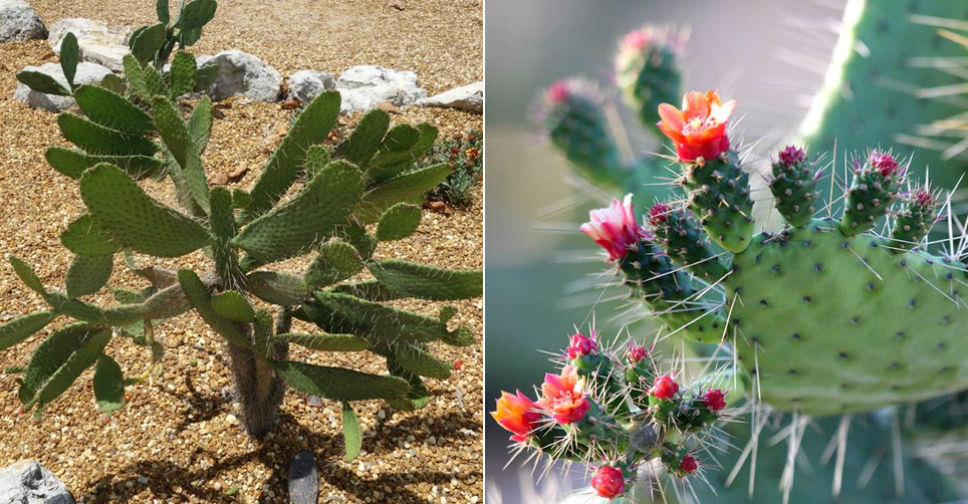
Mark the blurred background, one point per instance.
(769, 55)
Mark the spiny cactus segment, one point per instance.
(613, 409)
(138, 131)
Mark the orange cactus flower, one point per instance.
(564, 396)
(517, 414)
(699, 129)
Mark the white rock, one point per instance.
(305, 85)
(28, 482)
(365, 87)
(241, 73)
(97, 42)
(469, 98)
(87, 73)
(19, 22)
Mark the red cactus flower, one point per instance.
(699, 129)
(792, 155)
(582, 345)
(614, 228)
(636, 353)
(688, 465)
(517, 414)
(664, 387)
(884, 163)
(922, 198)
(608, 482)
(564, 396)
(714, 399)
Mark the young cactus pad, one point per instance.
(342, 204)
(827, 316)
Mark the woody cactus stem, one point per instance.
(259, 388)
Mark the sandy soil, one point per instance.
(178, 439)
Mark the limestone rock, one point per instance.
(241, 73)
(19, 22)
(305, 85)
(469, 98)
(97, 42)
(365, 87)
(28, 482)
(87, 73)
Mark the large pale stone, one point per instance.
(365, 87)
(469, 98)
(305, 85)
(241, 73)
(96, 40)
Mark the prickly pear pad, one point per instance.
(828, 334)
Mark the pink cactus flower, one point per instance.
(636, 40)
(608, 482)
(664, 387)
(558, 92)
(714, 399)
(884, 163)
(614, 228)
(564, 396)
(792, 155)
(581, 345)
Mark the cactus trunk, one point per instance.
(258, 387)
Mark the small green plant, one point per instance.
(463, 154)
(345, 201)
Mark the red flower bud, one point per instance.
(714, 399)
(664, 387)
(608, 482)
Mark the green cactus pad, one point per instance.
(278, 288)
(88, 274)
(401, 147)
(42, 83)
(97, 139)
(294, 227)
(135, 74)
(195, 14)
(70, 54)
(340, 384)
(72, 163)
(233, 306)
(578, 128)
(326, 342)
(85, 237)
(200, 123)
(336, 261)
(365, 139)
(841, 324)
(183, 70)
(108, 385)
(59, 360)
(427, 282)
(311, 127)
(201, 299)
(174, 132)
(27, 275)
(352, 434)
(374, 322)
(136, 220)
(145, 43)
(398, 222)
(21, 328)
(370, 290)
(415, 359)
(719, 195)
(406, 188)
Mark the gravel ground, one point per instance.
(178, 439)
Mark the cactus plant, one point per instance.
(152, 44)
(337, 205)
